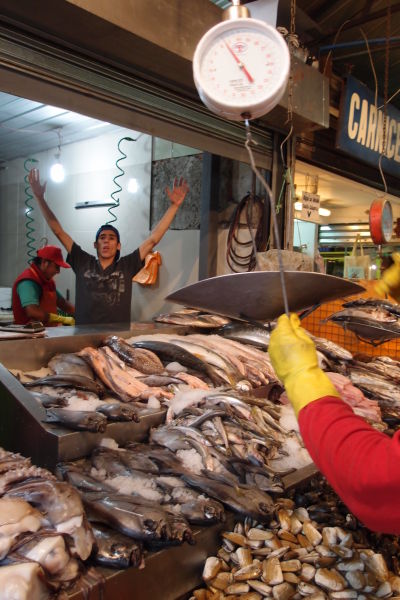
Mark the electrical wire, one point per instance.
(239, 262)
(30, 238)
(265, 185)
(120, 174)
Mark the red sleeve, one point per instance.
(361, 464)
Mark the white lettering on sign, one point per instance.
(366, 124)
(310, 207)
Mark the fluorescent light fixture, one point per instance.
(325, 228)
(324, 212)
(57, 173)
(133, 185)
(97, 126)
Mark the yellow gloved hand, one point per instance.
(53, 318)
(294, 358)
(390, 281)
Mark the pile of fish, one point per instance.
(220, 360)
(115, 382)
(370, 319)
(137, 491)
(44, 532)
(295, 557)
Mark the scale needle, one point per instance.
(240, 64)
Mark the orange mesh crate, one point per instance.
(347, 339)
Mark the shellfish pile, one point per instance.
(295, 557)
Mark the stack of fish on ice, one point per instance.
(44, 533)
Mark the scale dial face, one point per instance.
(381, 221)
(241, 68)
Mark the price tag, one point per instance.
(310, 207)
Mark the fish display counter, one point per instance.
(22, 419)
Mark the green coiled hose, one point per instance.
(31, 250)
(120, 174)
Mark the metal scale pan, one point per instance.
(257, 296)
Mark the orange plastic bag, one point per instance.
(148, 274)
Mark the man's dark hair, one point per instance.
(107, 227)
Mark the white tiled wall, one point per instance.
(90, 167)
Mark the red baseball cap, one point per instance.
(54, 254)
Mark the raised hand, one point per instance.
(34, 181)
(178, 192)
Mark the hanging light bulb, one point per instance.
(57, 171)
(133, 185)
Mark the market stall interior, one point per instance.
(125, 452)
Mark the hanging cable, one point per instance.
(30, 239)
(120, 174)
(270, 196)
(239, 262)
(385, 98)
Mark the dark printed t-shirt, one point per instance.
(103, 296)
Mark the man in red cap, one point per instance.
(34, 294)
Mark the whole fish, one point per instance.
(210, 356)
(50, 401)
(117, 379)
(82, 481)
(118, 411)
(249, 502)
(70, 364)
(170, 352)
(62, 505)
(332, 350)
(160, 380)
(203, 511)
(374, 315)
(246, 333)
(77, 419)
(108, 458)
(192, 319)
(141, 359)
(374, 303)
(116, 550)
(76, 381)
(166, 460)
(137, 521)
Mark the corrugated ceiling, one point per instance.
(28, 127)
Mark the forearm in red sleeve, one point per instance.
(361, 464)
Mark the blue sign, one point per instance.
(361, 128)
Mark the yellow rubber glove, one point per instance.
(294, 358)
(390, 281)
(53, 318)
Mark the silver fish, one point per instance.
(70, 364)
(77, 419)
